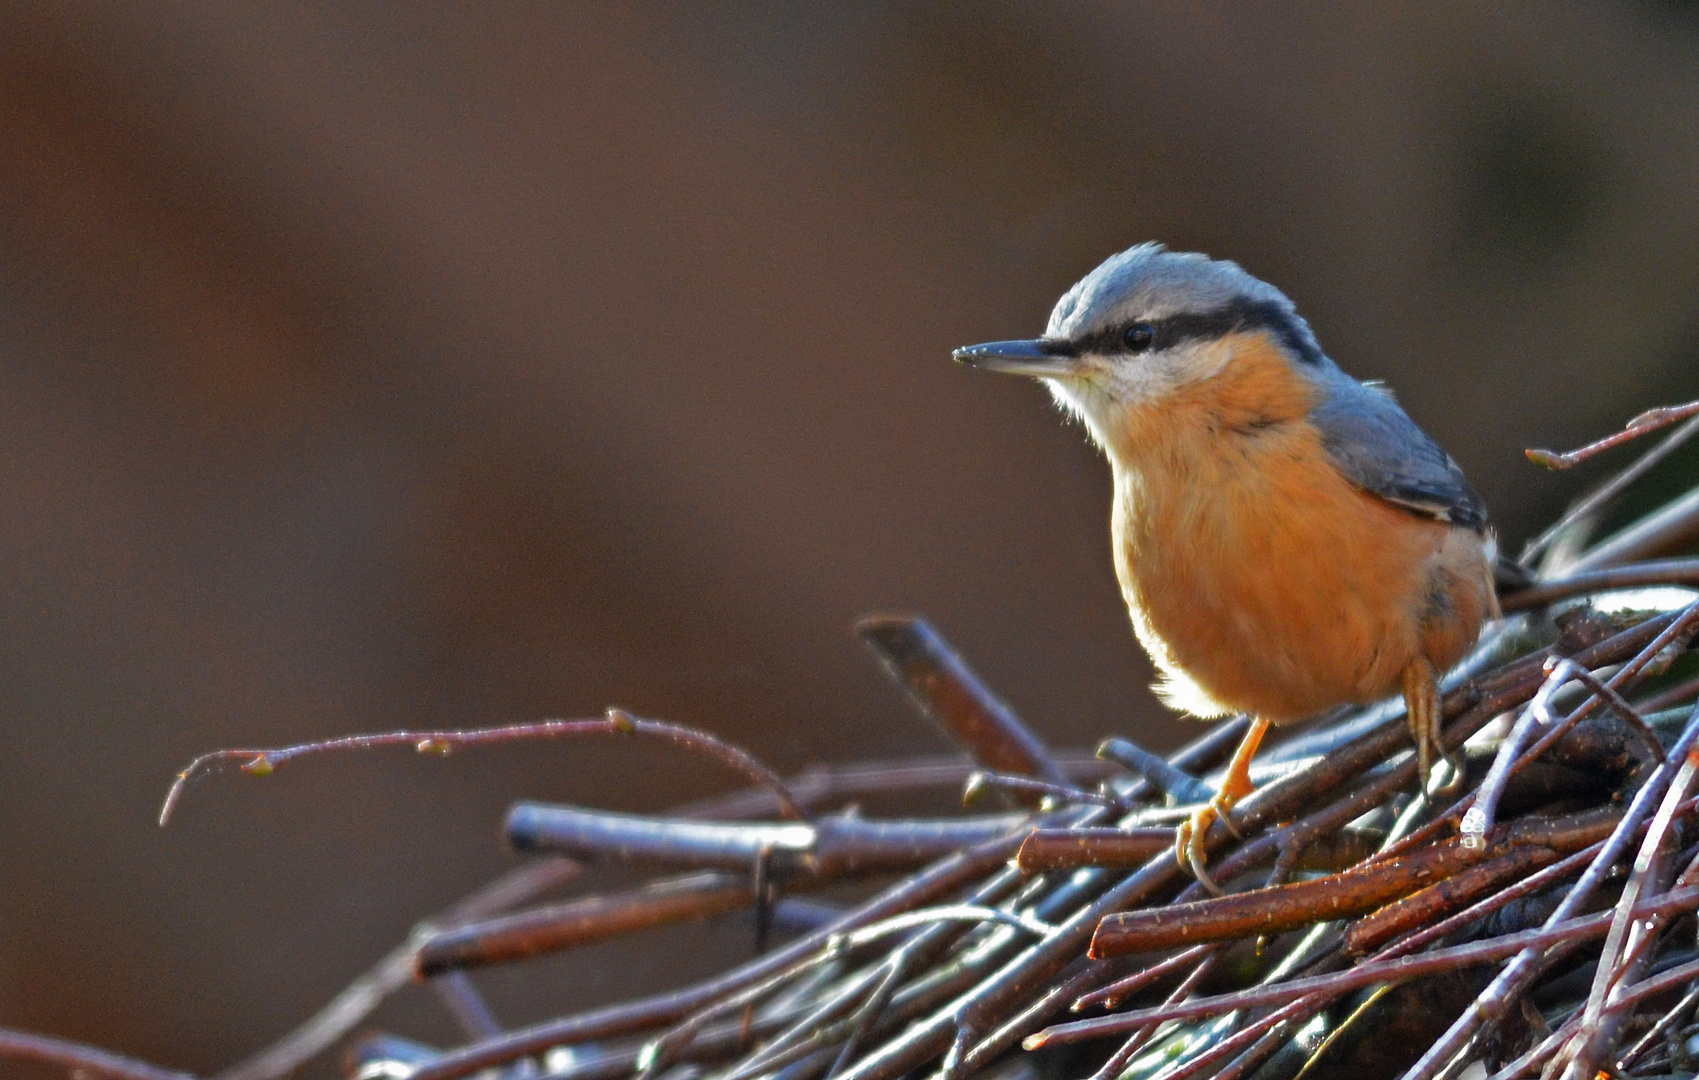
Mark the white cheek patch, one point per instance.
(1111, 385)
(1085, 400)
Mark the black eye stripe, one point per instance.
(1203, 326)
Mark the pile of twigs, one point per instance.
(1539, 919)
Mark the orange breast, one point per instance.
(1258, 578)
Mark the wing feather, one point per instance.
(1380, 449)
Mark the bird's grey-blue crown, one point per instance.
(1183, 294)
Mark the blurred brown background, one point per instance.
(364, 366)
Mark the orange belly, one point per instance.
(1261, 581)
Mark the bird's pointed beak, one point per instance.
(1042, 358)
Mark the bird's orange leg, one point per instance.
(1189, 839)
(1422, 709)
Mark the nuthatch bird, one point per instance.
(1286, 538)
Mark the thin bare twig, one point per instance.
(1609, 490)
(1632, 576)
(1139, 1039)
(580, 922)
(616, 722)
(80, 1058)
(1113, 994)
(1644, 424)
(981, 782)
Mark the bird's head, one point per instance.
(1144, 326)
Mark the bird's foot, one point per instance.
(1191, 838)
(1427, 722)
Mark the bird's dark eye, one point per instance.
(1139, 336)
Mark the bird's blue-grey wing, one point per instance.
(1381, 450)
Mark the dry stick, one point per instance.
(80, 1058)
(1477, 820)
(460, 996)
(942, 877)
(1301, 958)
(871, 1013)
(1669, 1020)
(580, 922)
(829, 847)
(1069, 849)
(475, 1057)
(908, 1002)
(1644, 424)
(1538, 1054)
(821, 784)
(980, 782)
(1113, 994)
(1669, 696)
(1514, 978)
(1416, 911)
(1634, 575)
(1139, 1039)
(944, 688)
(1179, 783)
(1631, 716)
(1658, 984)
(1485, 698)
(1613, 965)
(1610, 489)
(1664, 532)
(345, 1011)
(616, 722)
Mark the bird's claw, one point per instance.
(1191, 838)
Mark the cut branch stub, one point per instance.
(944, 688)
(830, 847)
(1068, 849)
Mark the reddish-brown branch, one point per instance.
(580, 922)
(943, 687)
(1634, 575)
(1445, 897)
(1068, 849)
(1644, 424)
(1113, 994)
(80, 1059)
(616, 722)
(1350, 893)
